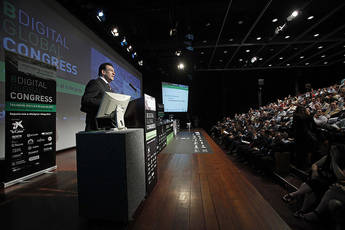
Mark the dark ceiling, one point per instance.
(227, 34)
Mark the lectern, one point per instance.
(111, 173)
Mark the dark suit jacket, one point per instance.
(91, 101)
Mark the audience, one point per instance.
(310, 127)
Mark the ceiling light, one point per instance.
(258, 38)
(225, 51)
(316, 35)
(134, 54)
(178, 53)
(320, 47)
(310, 17)
(141, 62)
(293, 15)
(100, 16)
(307, 63)
(287, 64)
(115, 31)
(247, 51)
(281, 58)
(123, 42)
(325, 63)
(180, 66)
(275, 20)
(323, 55)
(287, 37)
(301, 57)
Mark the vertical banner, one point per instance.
(150, 143)
(30, 117)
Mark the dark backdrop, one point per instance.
(214, 94)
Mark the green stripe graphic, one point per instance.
(175, 87)
(29, 107)
(170, 137)
(151, 134)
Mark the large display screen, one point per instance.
(43, 30)
(175, 97)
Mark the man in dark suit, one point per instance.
(93, 94)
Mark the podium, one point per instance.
(111, 174)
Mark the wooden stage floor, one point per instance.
(194, 191)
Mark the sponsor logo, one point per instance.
(34, 158)
(14, 137)
(17, 145)
(40, 140)
(46, 133)
(50, 138)
(33, 147)
(30, 141)
(47, 144)
(17, 127)
(47, 149)
(32, 134)
(16, 150)
(33, 152)
(17, 155)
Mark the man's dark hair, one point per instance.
(103, 67)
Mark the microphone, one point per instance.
(132, 86)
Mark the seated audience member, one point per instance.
(319, 118)
(321, 178)
(337, 190)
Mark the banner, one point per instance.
(30, 117)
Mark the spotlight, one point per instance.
(320, 47)
(254, 59)
(129, 48)
(258, 38)
(247, 51)
(123, 42)
(316, 35)
(134, 54)
(115, 31)
(287, 37)
(172, 32)
(281, 58)
(275, 20)
(141, 63)
(100, 16)
(178, 53)
(310, 17)
(292, 16)
(180, 66)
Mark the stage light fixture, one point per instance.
(274, 20)
(270, 65)
(301, 57)
(141, 62)
(320, 47)
(287, 64)
(293, 15)
(258, 38)
(202, 52)
(129, 48)
(287, 37)
(310, 17)
(225, 51)
(180, 66)
(281, 58)
(115, 31)
(325, 63)
(260, 59)
(307, 63)
(247, 51)
(323, 55)
(123, 42)
(134, 55)
(254, 59)
(240, 59)
(316, 35)
(101, 16)
(178, 53)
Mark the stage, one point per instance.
(195, 191)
